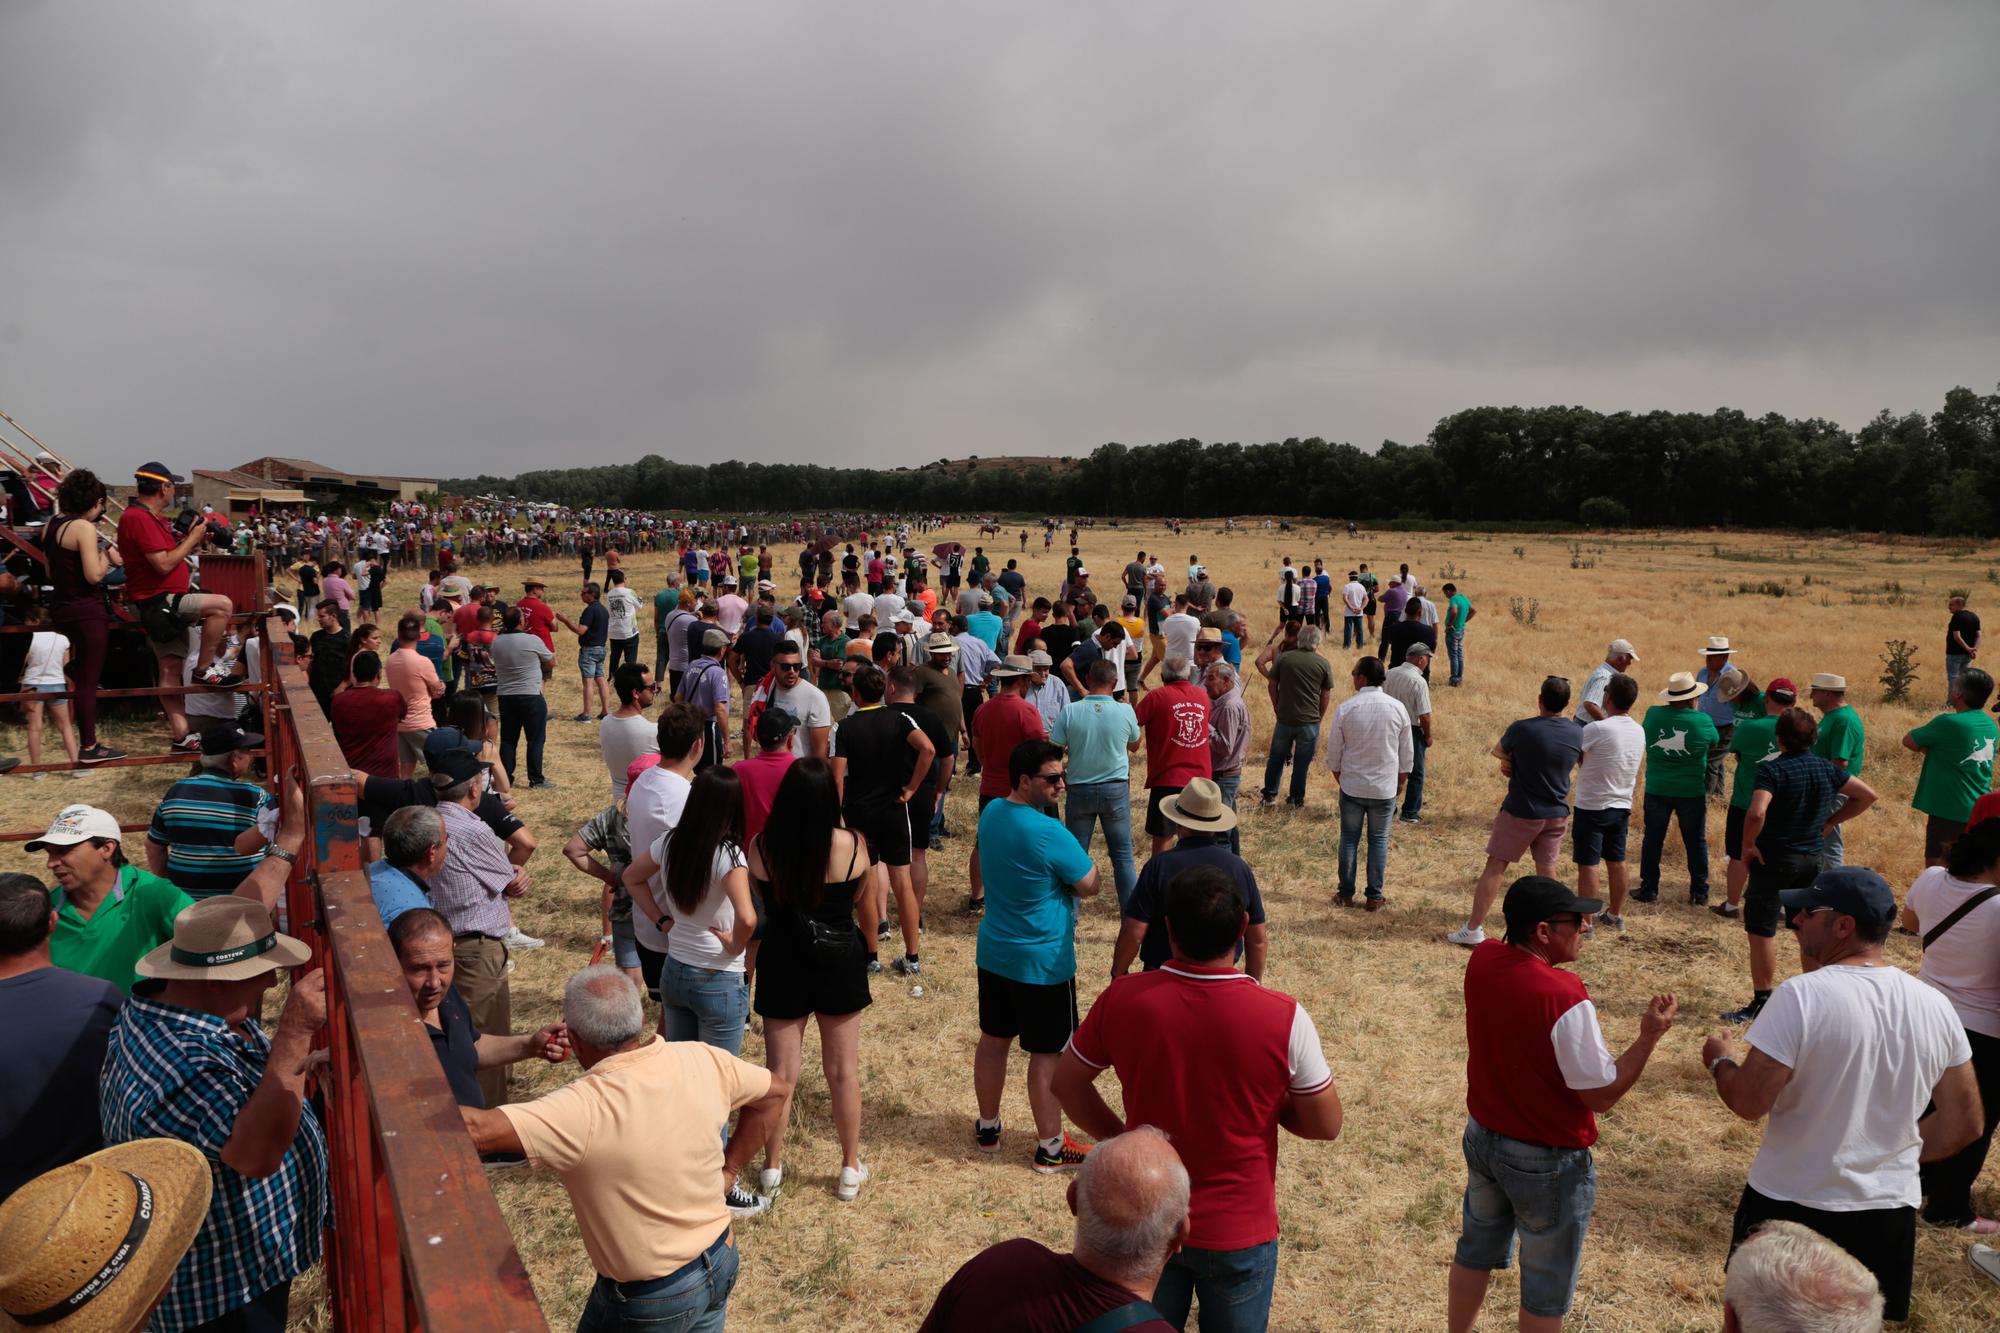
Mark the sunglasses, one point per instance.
(1053, 779)
(787, 666)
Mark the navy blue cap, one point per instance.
(1854, 891)
(442, 740)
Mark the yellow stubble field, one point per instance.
(1369, 1221)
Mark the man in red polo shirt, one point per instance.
(1537, 1071)
(537, 616)
(1218, 1063)
(158, 587)
(1175, 720)
(1000, 724)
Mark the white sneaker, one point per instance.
(516, 938)
(1986, 1259)
(1467, 937)
(850, 1183)
(770, 1181)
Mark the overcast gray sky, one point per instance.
(452, 238)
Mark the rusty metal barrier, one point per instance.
(418, 1240)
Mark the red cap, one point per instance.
(1783, 685)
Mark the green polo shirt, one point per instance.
(1840, 739)
(135, 918)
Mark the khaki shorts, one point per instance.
(1513, 836)
(410, 747)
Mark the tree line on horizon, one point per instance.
(1937, 474)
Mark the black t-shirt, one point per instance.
(1060, 638)
(933, 728)
(596, 622)
(757, 647)
(309, 579)
(1019, 1286)
(329, 650)
(57, 1024)
(1965, 624)
(875, 742)
(694, 629)
(1406, 632)
(456, 1043)
(382, 797)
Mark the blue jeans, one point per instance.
(1352, 632)
(1110, 802)
(1691, 813)
(1953, 664)
(1233, 1286)
(1413, 793)
(701, 1004)
(1377, 811)
(518, 713)
(695, 1301)
(1229, 785)
(1294, 743)
(1454, 647)
(1545, 1194)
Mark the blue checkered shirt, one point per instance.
(180, 1074)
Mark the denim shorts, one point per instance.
(624, 944)
(590, 662)
(1599, 835)
(56, 688)
(1545, 1195)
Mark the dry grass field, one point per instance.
(1369, 1221)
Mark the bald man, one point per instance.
(1131, 1204)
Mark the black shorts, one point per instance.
(1043, 1017)
(650, 964)
(1883, 1240)
(1158, 824)
(1777, 872)
(886, 831)
(799, 975)
(1599, 835)
(1939, 835)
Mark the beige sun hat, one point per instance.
(1014, 664)
(1682, 686)
(1718, 646)
(224, 938)
(1826, 680)
(1730, 683)
(1199, 806)
(89, 1247)
(941, 643)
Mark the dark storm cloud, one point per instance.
(495, 236)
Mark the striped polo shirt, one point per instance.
(198, 822)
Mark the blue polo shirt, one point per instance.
(1028, 933)
(1096, 729)
(396, 891)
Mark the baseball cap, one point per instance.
(1854, 891)
(774, 724)
(1417, 649)
(456, 766)
(158, 472)
(1533, 899)
(1130, 603)
(1783, 688)
(1038, 658)
(904, 617)
(442, 740)
(1617, 647)
(74, 824)
(228, 738)
(1082, 573)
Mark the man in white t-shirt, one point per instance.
(1180, 628)
(653, 806)
(622, 635)
(628, 733)
(856, 604)
(888, 605)
(1606, 775)
(1354, 602)
(1844, 1058)
(804, 700)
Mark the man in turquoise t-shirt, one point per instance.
(1034, 872)
(1458, 613)
(1678, 739)
(1841, 741)
(1958, 762)
(1754, 741)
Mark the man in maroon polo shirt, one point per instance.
(1175, 720)
(1218, 1063)
(1537, 1071)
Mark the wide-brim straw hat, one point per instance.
(89, 1247)
(225, 938)
(1199, 806)
(1826, 680)
(1718, 646)
(1730, 684)
(1682, 686)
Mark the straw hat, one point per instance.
(1730, 684)
(90, 1247)
(1682, 686)
(1199, 806)
(225, 938)
(1826, 680)
(1718, 646)
(1014, 664)
(941, 643)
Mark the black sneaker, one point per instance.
(976, 906)
(882, 929)
(986, 1140)
(1747, 1014)
(742, 1203)
(98, 753)
(1697, 900)
(1646, 896)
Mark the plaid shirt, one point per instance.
(468, 887)
(1803, 788)
(179, 1074)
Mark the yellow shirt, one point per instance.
(637, 1142)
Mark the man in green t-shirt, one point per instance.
(830, 650)
(1958, 762)
(1678, 739)
(1754, 742)
(1842, 742)
(1458, 613)
(109, 913)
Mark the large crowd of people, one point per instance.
(774, 786)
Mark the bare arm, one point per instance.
(1087, 886)
(1256, 946)
(1131, 934)
(579, 856)
(1753, 825)
(491, 1131)
(926, 755)
(156, 858)
(1653, 1025)
(1750, 1088)
(1076, 1089)
(816, 742)
(1957, 1120)
(269, 1121)
(753, 1126)
(1314, 1117)
(1859, 797)
(639, 884)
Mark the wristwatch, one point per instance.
(662, 922)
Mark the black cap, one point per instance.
(157, 472)
(774, 724)
(1533, 899)
(228, 738)
(457, 766)
(1854, 891)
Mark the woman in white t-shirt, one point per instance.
(705, 912)
(48, 652)
(1963, 964)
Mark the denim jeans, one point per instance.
(1454, 647)
(1413, 793)
(1544, 1194)
(702, 1004)
(1953, 664)
(1377, 811)
(1233, 1286)
(1691, 813)
(1110, 802)
(518, 713)
(1294, 743)
(1229, 784)
(697, 1301)
(1353, 633)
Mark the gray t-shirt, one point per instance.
(624, 739)
(517, 659)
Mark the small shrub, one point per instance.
(1451, 573)
(1765, 588)
(1526, 611)
(1899, 670)
(1520, 553)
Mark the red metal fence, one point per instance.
(418, 1240)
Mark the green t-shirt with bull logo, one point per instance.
(1755, 740)
(1958, 763)
(1677, 744)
